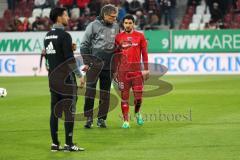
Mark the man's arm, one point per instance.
(43, 54)
(68, 53)
(116, 57)
(144, 57)
(86, 45)
(144, 52)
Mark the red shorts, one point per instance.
(128, 80)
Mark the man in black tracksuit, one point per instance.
(62, 81)
(97, 48)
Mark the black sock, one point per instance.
(137, 106)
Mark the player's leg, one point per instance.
(92, 77)
(69, 104)
(137, 86)
(125, 107)
(124, 86)
(105, 87)
(55, 113)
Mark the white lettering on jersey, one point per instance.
(51, 37)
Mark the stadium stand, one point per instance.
(33, 15)
(211, 14)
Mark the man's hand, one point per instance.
(115, 76)
(74, 46)
(82, 81)
(85, 68)
(146, 74)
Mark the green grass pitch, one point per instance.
(198, 120)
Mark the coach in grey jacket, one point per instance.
(97, 48)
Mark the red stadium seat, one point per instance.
(2, 24)
(7, 14)
(183, 26)
(237, 18)
(2, 20)
(191, 10)
(30, 5)
(27, 13)
(235, 25)
(228, 18)
(226, 25)
(238, 4)
(188, 16)
(187, 20)
(22, 5)
(2, 28)
(18, 12)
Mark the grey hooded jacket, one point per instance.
(99, 41)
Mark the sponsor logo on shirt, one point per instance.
(50, 49)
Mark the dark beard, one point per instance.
(128, 31)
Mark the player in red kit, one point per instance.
(130, 53)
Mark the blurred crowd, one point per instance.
(149, 14)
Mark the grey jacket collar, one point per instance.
(58, 26)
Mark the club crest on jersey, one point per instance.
(129, 38)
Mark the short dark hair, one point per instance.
(55, 13)
(128, 16)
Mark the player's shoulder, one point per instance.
(120, 34)
(63, 33)
(138, 33)
(93, 23)
(66, 34)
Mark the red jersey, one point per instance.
(132, 48)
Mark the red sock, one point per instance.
(125, 110)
